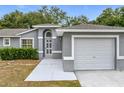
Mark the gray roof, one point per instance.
(11, 32)
(46, 25)
(93, 26)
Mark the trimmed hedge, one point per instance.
(18, 53)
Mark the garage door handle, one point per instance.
(94, 56)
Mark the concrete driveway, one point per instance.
(101, 78)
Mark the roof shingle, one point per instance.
(11, 32)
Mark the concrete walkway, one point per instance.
(50, 70)
(101, 78)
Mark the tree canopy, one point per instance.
(111, 17)
(55, 15)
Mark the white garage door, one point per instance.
(93, 54)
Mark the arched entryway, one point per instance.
(48, 44)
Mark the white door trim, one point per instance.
(48, 42)
(94, 36)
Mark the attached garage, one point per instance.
(92, 47)
(94, 53)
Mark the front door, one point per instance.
(48, 45)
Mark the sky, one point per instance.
(91, 11)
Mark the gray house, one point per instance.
(81, 47)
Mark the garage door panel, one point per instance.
(93, 54)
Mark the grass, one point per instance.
(13, 74)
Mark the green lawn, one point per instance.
(13, 74)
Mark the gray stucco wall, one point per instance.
(66, 51)
(57, 55)
(32, 34)
(68, 65)
(15, 42)
(57, 44)
(1, 42)
(120, 64)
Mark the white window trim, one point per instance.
(4, 41)
(26, 38)
(94, 36)
(47, 32)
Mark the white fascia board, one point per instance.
(94, 36)
(26, 31)
(61, 31)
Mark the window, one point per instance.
(48, 34)
(27, 43)
(6, 41)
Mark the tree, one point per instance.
(76, 20)
(12, 20)
(111, 17)
(106, 18)
(17, 19)
(53, 14)
(33, 18)
(121, 16)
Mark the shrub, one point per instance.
(18, 53)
